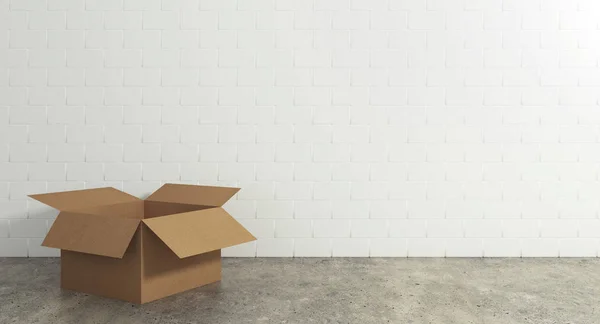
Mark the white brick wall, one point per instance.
(355, 127)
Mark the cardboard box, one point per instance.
(119, 246)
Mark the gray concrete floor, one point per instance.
(329, 291)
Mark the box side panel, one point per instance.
(165, 274)
(104, 276)
(159, 208)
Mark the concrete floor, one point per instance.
(329, 291)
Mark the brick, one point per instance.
(274, 171)
(342, 247)
(312, 96)
(411, 190)
(574, 247)
(421, 210)
(388, 247)
(104, 153)
(558, 228)
(164, 20)
(501, 247)
(420, 247)
(312, 247)
(104, 77)
(292, 152)
(426, 20)
(236, 96)
(122, 20)
(141, 77)
(370, 190)
(14, 134)
(28, 228)
(371, 152)
(84, 20)
(160, 171)
(255, 39)
(22, 39)
(66, 77)
(332, 191)
(66, 153)
(179, 153)
(362, 228)
(199, 171)
(84, 134)
(256, 153)
(385, 96)
(502, 58)
(407, 228)
(123, 134)
(274, 209)
(85, 171)
(218, 152)
(464, 248)
(312, 172)
(14, 97)
(332, 39)
(123, 96)
(141, 5)
(4, 228)
(293, 190)
(144, 39)
(27, 77)
(43, 96)
(47, 172)
(27, 153)
(331, 228)
(236, 172)
(388, 209)
(13, 247)
(350, 209)
(540, 247)
(257, 191)
(312, 209)
(260, 228)
(180, 39)
(293, 228)
(350, 171)
(70, 39)
(123, 171)
(47, 134)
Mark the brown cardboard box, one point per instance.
(116, 245)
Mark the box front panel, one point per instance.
(164, 274)
(104, 276)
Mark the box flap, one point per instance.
(105, 236)
(193, 195)
(198, 232)
(73, 200)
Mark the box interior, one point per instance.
(158, 208)
(141, 209)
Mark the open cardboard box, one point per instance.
(119, 246)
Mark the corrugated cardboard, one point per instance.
(116, 245)
(99, 235)
(198, 232)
